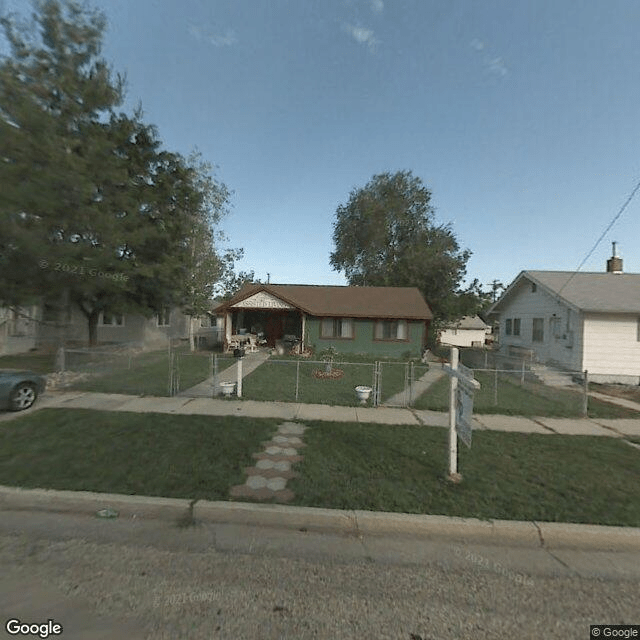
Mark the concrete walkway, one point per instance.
(293, 411)
(417, 388)
(229, 374)
(621, 402)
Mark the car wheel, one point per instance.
(22, 396)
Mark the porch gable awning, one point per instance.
(261, 300)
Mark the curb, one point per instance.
(535, 535)
(87, 502)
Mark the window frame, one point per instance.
(517, 325)
(108, 314)
(164, 314)
(537, 330)
(388, 322)
(508, 327)
(337, 322)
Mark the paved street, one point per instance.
(152, 579)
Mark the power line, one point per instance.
(604, 233)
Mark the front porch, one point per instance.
(264, 327)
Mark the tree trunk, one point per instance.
(92, 319)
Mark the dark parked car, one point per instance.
(19, 389)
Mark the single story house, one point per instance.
(385, 321)
(468, 331)
(575, 321)
(69, 325)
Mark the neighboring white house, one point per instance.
(575, 321)
(468, 331)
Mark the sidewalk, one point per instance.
(307, 412)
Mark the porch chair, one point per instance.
(252, 346)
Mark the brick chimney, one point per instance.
(614, 264)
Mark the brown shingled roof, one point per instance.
(337, 301)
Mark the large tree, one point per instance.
(387, 235)
(93, 211)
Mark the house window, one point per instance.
(336, 328)
(111, 319)
(164, 317)
(17, 323)
(509, 327)
(50, 313)
(516, 326)
(554, 326)
(391, 330)
(534, 287)
(538, 330)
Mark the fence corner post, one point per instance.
(60, 358)
(585, 400)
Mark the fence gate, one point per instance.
(376, 384)
(393, 384)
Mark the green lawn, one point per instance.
(276, 380)
(32, 361)
(531, 399)
(508, 476)
(148, 373)
(130, 453)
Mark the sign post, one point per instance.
(462, 387)
(239, 354)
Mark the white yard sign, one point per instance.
(463, 385)
(464, 404)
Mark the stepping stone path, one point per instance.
(268, 478)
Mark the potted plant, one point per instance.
(363, 392)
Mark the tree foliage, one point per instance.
(386, 235)
(89, 188)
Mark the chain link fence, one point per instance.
(514, 385)
(369, 383)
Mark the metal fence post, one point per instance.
(60, 358)
(495, 388)
(522, 376)
(213, 362)
(411, 381)
(297, 377)
(406, 384)
(170, 361)
(585, 400)
(376, 383)
(373, 385)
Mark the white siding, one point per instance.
(463, 337)
(523, 303)
(611, 348)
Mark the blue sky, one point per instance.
(520, 116)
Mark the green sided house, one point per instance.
(384, 321)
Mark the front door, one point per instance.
(274, 328)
